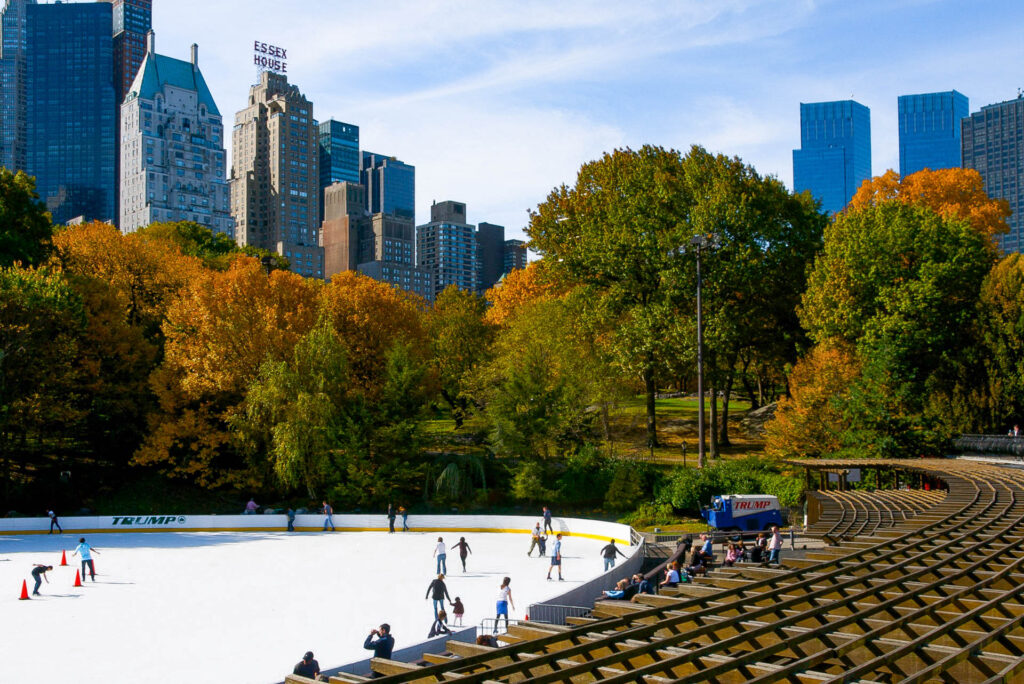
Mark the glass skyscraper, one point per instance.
(70, 108)
(339, 155)
(993, 145)
(390, 185)
(835, 151)
(12, 80)
(930, 130)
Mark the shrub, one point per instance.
(651, 514)
(689, 489)
(626, 489)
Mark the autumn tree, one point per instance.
(950, 193)
(25, 227)
(460, 341)
(518, 288)
(219, 331)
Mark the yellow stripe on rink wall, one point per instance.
(313, 522)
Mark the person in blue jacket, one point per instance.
(383, 645)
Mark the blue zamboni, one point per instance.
(743, 512)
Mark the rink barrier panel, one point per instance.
(313, 522)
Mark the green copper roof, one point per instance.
(157, 71)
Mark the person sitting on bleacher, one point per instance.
(697, 564)
(732, 555)
(643, 585)
(671, 575)
(619, 592)
(757, 552)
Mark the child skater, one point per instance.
(458, 610)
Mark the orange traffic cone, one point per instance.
(78, 579)
(24, 590)
(63, 557)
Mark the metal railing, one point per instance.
(556, 614)
(495, 626)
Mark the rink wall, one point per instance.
(516, 524)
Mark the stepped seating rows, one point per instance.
(937, 596)
(851, 513)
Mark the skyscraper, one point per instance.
(390, 185)
(835, 151)
(13, 56)
(172, 148)
(447, 247)
(275, 180)
(930, 130)
(515, 255)
(993, 145)
(132, 20)
(339, 155)
(490, 254)
(70, 113)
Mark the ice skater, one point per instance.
(290, 514)
(328, 516)
(405, 518)
(458, 610)
(535, 540)
(464, 549)
(556, 557)
(441, 555)
(85, 551)
(438, 592)
(547, 520)
(609, 552)
(504, 601)
(54, 522)
(391, 519)
(39, 574)
(439, 627)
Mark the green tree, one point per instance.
(25, 227)
(618, 232)
(901, 285)
(460, 341)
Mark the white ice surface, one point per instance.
(242, 608)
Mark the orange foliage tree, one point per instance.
(219, 331)
(810, 422)
(950, 193)
(518, 288)
(371, 317)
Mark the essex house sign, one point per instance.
(268, 57)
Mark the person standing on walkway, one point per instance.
(328, 516)
(556, 557)
(609, 552)
(39, 574)
(441, 555)
(535, 541)
(54, 522)
(405, 518)
(85, 551)
(391, 519)
(774, 546)
(464, 549)
(251, 507)
(547, 520)
(438, 592)
(504, 601)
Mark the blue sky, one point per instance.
(496, 103)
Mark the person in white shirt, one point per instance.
(440, 552)
(774, 545)
(504, 601)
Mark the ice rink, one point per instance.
(242, 607)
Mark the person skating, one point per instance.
(547, 520)
(54, 522)
(383, 645)
(391, 519)
(441, 554)
(535, 540)
(39, 574)
(458, 610)
(609, 552)
(504, 601)
(85, 551)
(405, 518)
(542, 546)
(307, 667)
(439, 627)
(556, 557)
(464, 549)
(438, 592)
(290, 514)
(328, 516)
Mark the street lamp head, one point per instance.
(709, 241)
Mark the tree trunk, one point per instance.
(652, 422)
(724, 440)
(755, 397)
(713, 431)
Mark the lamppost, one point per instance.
(700, 243)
